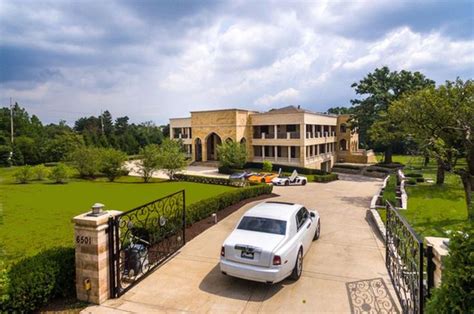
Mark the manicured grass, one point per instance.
(432, 209)
(38, 215)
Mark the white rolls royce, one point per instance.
(269, 242)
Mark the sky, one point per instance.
(152, 60)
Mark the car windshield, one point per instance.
(266, 225)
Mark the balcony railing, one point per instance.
(283, 160)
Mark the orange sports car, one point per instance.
(263, 177)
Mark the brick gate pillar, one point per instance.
(92, 254)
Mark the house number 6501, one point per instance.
(83, 240)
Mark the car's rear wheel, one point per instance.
(318, 231)
(298, 270)
(287, 182)
(304, 182)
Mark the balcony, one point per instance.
(288, 135)
(278, 160)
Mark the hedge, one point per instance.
(326, 177)
(285, 168)
(348, 166)
(209, 180)
(34, 281)
(204, 208)
(393, 165)
(413, 175)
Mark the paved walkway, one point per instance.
(343, 272)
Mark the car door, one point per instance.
(303, 224)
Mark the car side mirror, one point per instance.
(313, 215)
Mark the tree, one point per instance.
(267, 166)
(171, 157)
(340, 110)
(232, 154)
(441, 120)
(380, 89)
(111, 162)
(87, 161)
(149, 161)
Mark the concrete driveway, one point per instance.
(343, 272)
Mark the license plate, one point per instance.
(247, 255)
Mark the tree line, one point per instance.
(36, 143)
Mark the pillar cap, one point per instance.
(92, 221)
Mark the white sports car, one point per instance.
(269, 242)
(294, 179)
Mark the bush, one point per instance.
(60, 173)
(23, 174)
(111, 162)
(393, 165)
(226, 170)
(411, 182)
(232, 154)
(267, 166)
(40, 172)
(87, 161)
(346, 166)
(455, 293)
(171, 157)
(36, 280)
(325, 177)
(207, 207)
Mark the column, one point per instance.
(275, 152)
(263, 153)
(275, 130)
(289, 154)
(92, 255)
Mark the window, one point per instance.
(291, 128)
(265, 225)
(301, 217)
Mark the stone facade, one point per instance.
(289, 135)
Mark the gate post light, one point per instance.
(97, 210)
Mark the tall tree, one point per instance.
(378, 90)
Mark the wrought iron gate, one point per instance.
(142, 238)
(409, 265)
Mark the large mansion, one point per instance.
(287, 136)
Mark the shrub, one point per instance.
(420, 180)
(35, 280)
(347, 166)
(393, 165)
(23, 174)
(40, 172)
(226, 170)
(232, 154)
(87, 161)
(411, 182)
(325, 177)
(207, 207)
(455, 293)
(111, 162)
(149, 161)
(60, 173)
(267, 166)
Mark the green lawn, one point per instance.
(432, 209)
(38, 215)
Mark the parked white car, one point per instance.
(269, 242)
(294, 179)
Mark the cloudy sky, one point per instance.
(152, 60)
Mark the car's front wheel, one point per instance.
(298, 270)
(287, 183)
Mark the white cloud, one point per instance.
(283, 97)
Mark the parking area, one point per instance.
(344, 271)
